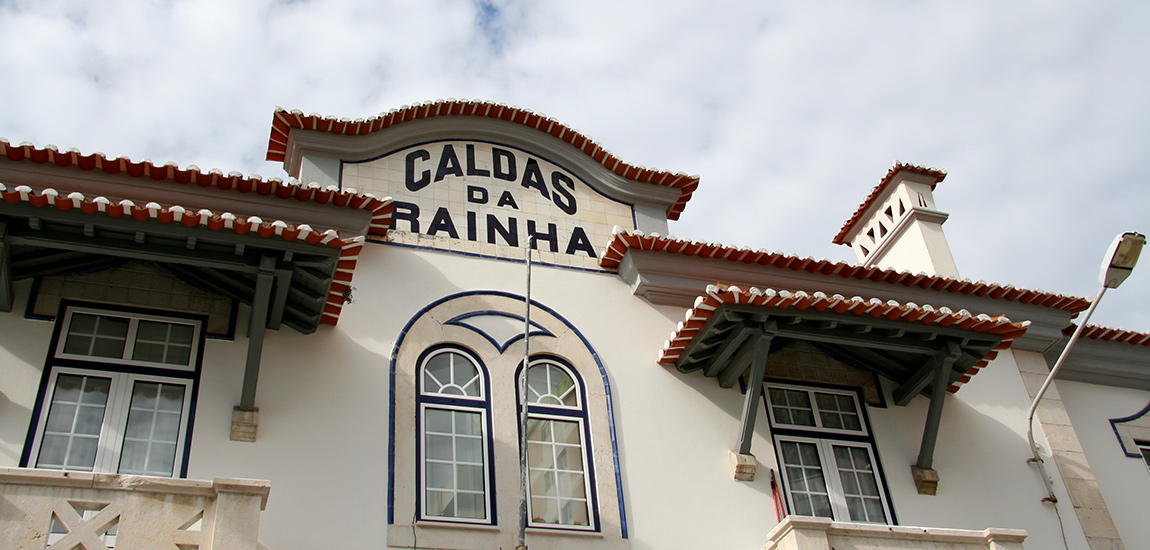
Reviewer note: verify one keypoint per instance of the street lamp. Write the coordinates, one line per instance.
(1116, 267)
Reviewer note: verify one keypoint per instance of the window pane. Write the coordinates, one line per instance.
(439, 476)
(82, 454)
(112, 327)
(454, 464)
(468, 423)
(544, 510)
(556, 465)
(450, 373)
(438, 421)
(468, 450)
(859, 484)
(75, 420)
(549, 384)
(471, 505)
(52, 451)
(440, 503)
(146, 351)
(805, 478)
(107, 347)
(151, 434)
(160, 342)
(470, 477)
(96, 335)
(439, 448)
(791, 407)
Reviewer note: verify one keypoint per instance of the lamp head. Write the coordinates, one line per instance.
(1120, 259)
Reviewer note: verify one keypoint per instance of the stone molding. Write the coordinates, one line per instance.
(811, 533)
(148, 512)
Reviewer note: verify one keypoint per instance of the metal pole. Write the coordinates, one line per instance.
(1042, 391)
(524, 481)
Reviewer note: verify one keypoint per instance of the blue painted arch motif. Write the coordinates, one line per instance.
(488, 326)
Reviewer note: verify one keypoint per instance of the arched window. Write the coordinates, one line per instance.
(454, 448)
(558, 457)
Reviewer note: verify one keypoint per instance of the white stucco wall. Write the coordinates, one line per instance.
(981, 455)
(323, 432)
(1124, 481)
(23, 349)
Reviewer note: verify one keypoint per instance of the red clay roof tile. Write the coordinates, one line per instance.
(622, 240)
(284, 121)
(938, 176)
(717, 295)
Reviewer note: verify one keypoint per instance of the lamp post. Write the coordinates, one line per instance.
(1116, 267)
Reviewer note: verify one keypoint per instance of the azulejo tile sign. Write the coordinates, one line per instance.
(490, 199)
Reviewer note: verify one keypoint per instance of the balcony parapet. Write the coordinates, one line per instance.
(809, 533)
(145, 512)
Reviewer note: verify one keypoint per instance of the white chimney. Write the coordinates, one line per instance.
(898, 226)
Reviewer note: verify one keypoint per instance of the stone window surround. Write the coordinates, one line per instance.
(453, 319)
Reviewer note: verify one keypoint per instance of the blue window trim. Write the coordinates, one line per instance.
(483, 403)
(1114, 422)
(391, 397)
(581, 413)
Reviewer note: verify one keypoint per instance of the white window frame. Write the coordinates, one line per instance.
(1143, 448)
(109, 448)
(427, 399)
(825, 439)
(129, 345)
(578, 415)
(423, 513)
(831, 476)
(811, 392)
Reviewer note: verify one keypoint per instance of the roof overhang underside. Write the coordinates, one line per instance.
(902, 352)
(46, 241)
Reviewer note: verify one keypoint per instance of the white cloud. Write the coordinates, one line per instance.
(790, 111)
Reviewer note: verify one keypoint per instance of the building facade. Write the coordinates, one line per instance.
(213, 360)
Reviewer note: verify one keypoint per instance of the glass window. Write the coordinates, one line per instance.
(818, 409)
(145, 340)
(97, 418)
(454, 474)
(823, 473)
(113, 422)
(557, 457)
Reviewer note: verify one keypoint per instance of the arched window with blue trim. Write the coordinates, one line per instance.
(558, 454)
(454, 449)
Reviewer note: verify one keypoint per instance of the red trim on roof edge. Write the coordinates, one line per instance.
(283, 121)
(381, 209)
(623, 240)
(339, 292)
(717, 295)
(1107, 334)
(938, 176)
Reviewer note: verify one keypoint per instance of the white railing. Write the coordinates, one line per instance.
(42, 509)
(807, 533)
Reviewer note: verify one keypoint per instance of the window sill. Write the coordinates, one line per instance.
(560, 532)
(466, 526)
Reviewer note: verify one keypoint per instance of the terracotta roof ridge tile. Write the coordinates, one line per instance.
(214, 221)
(283, 121)
(719, 294)
(896, 167)
(1110, 334)
(381, 209)
(623, 240)
(173, 214)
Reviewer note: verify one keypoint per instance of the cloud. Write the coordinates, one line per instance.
(789, 112)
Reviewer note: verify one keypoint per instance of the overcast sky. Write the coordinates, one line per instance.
(790, 111)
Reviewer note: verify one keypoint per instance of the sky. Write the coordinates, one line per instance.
(789, 111)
